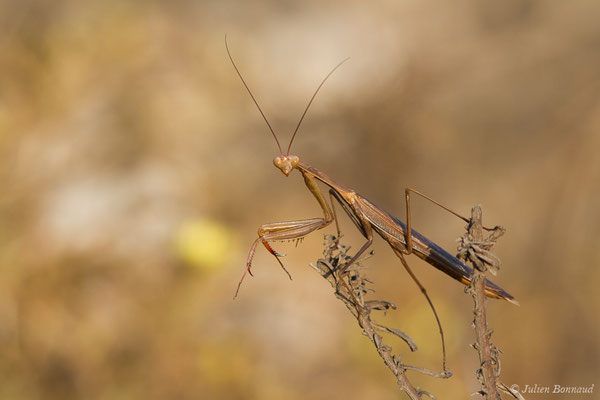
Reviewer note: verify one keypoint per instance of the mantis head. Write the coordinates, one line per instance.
(286, 163)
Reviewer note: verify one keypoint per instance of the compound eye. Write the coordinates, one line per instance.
(295, 161)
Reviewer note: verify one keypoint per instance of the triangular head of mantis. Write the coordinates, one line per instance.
(286, 163)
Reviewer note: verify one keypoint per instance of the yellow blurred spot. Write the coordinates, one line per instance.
(203, 243)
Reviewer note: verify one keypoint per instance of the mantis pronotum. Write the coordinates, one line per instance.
(365, 215)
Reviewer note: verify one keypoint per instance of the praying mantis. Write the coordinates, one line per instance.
(366, 216)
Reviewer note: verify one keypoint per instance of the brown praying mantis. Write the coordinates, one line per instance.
(366, 216)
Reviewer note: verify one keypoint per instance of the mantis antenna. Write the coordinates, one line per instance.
(251, 95)
(310, 102)
(261, 111)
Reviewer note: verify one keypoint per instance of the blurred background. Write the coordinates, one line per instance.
(135, 170)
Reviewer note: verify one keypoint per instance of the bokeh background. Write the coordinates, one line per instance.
(134, 171)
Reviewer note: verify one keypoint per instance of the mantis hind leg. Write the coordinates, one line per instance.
(365, 227)
(407, 193)
(424, 291)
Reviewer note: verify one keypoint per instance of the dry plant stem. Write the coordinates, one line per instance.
(350, 288)
(488, 372)
(387, 357)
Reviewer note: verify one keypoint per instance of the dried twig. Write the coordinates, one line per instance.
(474, 248)
(351, 288)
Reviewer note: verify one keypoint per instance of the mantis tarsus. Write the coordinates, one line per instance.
(365, 215)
